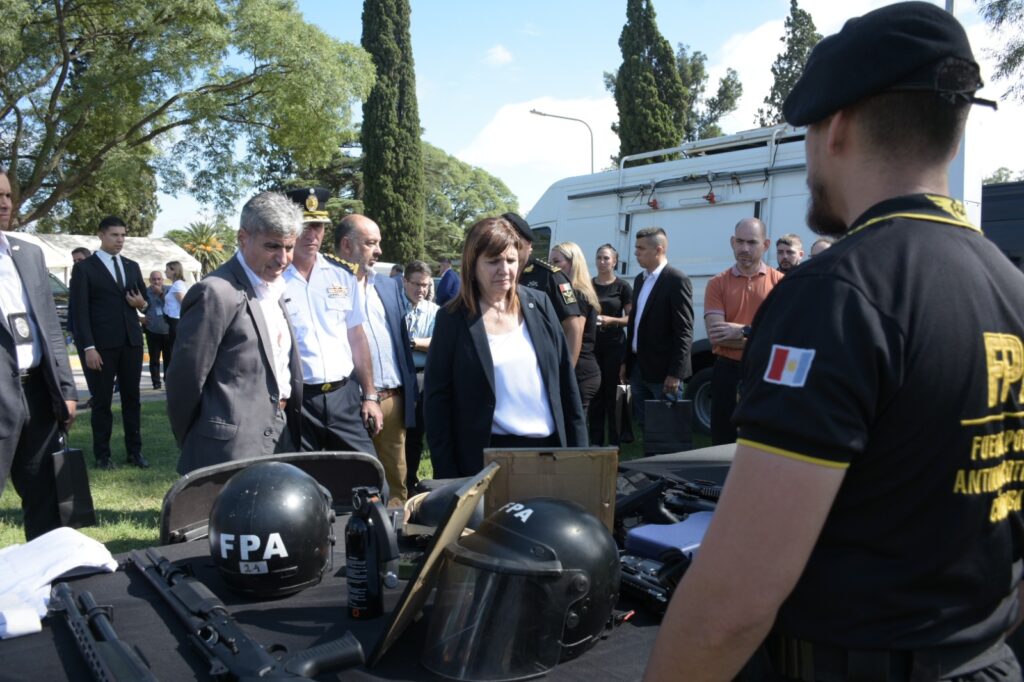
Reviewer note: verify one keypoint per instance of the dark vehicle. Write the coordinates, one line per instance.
(61, 294)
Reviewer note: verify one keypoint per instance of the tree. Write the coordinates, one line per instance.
(125, 186)
(648, 92)
(800, 38)
(458, 195)
(1003, 174)
(702, 115)
(85, 83)
(1007, 17)
(210, 244)
(392, 155)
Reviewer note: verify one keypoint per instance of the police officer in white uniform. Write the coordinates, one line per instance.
(324, 306)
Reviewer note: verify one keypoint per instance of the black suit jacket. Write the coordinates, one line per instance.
(666, 328)
(28, 260)
(458, 390)
(102, 316)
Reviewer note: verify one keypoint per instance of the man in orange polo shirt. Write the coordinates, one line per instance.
(730, 302)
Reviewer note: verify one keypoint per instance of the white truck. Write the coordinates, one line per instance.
(697, 199)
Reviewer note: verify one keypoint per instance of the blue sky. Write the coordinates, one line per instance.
(481, 66)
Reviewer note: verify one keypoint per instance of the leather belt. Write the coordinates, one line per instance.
(385, 393)
(30, 374)
(329, 387)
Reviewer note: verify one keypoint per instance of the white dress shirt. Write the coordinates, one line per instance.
(108, 261)
(521, 405)
(322, 311)
(269, 296)
(14, 299)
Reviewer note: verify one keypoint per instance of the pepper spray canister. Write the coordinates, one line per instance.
(370, 548)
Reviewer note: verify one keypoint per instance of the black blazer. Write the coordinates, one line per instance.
(666, 329)
(458, 391)
(102, 316)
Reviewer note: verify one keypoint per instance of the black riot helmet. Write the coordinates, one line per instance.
(271, 530)
(534, 585)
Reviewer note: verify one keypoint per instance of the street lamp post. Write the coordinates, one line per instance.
(578, 120)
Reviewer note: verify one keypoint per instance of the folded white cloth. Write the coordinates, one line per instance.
(26, 572)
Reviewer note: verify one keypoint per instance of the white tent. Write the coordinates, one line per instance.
(57, 261)
(151, 253)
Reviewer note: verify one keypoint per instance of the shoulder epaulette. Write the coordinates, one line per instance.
(342, 263)
(547, 265)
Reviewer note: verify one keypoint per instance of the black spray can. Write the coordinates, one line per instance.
(370, 547)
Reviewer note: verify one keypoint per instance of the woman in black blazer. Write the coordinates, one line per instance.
(498, 371)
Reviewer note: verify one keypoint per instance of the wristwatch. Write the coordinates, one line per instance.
(746, 331)
(372, 396)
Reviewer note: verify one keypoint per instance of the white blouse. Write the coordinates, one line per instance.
(521, 405)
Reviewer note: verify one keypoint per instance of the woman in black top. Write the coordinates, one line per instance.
(616, 298)
(568, 257)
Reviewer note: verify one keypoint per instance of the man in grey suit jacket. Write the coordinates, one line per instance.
(37, 388)
(234, 389)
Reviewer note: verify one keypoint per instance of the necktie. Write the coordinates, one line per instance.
(117, 273)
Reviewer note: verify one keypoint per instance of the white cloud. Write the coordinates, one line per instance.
(530, 152)
(498, 56)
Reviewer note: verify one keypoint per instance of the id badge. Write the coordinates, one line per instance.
(20, 328)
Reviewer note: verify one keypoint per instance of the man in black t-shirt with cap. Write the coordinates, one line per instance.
(543, 276)
(882, 542)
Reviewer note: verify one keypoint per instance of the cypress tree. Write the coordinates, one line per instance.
(648, 91)
(800, 38)
(392, 153)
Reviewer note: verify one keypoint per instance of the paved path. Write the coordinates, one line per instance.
(148, 393)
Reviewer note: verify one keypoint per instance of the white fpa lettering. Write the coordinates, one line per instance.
(517, 510)
(250, 544)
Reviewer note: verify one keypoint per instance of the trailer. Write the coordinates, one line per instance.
(697, 197)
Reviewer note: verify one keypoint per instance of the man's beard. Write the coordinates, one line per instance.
(785, 266)
(821, 217)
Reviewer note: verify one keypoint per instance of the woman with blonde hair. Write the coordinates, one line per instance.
(569, 258)
(175, 294)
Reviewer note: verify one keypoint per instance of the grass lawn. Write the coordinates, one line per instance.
(128, 500)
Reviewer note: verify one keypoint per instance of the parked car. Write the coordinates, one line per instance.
(61, 294)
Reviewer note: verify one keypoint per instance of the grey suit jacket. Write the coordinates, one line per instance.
(28, 259)
(222, 395)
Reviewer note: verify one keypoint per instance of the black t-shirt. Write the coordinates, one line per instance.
(545, 277)
(897, 355)
(614, 298)
(587, 366)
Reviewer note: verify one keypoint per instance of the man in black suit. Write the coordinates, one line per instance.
(660, 325)
(37, 388)
(108, 292)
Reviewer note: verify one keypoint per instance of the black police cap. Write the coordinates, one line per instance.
(905, 46)
(313, 201)
(521, 225)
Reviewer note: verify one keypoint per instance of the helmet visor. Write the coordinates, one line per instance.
(487, 625)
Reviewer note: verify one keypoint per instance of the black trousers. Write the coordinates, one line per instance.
(159, 345)
(332, 421)
(725, 381)
(125, 365)
(28, 457)
(85, 370)
(610, 354)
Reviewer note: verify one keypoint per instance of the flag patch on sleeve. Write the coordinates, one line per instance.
(789, 366)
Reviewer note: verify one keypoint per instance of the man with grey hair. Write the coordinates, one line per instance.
(235, 387)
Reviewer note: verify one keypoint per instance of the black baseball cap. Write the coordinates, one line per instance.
(520, 224)
(904, 46)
